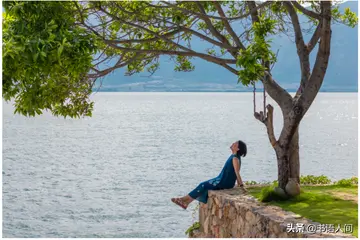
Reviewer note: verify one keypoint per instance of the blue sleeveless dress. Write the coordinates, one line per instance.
(225, 180)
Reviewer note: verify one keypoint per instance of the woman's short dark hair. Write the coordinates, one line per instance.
(242, 149)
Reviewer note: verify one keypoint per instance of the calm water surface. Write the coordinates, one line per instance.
(113, 175)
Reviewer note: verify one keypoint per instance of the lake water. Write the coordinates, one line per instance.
(113, 175)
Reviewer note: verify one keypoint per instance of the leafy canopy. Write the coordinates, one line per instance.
(53, 52)
(46, 58)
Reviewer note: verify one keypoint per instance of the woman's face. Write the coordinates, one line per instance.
(234, 147)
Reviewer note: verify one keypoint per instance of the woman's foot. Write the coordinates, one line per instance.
(180, 203)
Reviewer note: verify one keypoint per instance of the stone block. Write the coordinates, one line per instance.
(206, 225)
(217, 201)
(209, 203)
(223, 233)
(240, 221)
(213, 210)
(232, 213)
(220, 213)
(216, 221)
(249, 217)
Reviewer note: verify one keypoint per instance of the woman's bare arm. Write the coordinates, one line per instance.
(236, 164)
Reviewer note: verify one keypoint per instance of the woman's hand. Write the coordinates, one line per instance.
(242, 187)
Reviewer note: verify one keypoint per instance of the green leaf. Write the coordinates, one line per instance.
(60, 50)
(35, 56)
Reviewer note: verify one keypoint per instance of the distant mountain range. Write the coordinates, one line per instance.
(341, 76)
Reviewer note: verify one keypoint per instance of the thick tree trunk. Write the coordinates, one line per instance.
(288, 162)
(288, 155)
(294, 158)
(283, 167)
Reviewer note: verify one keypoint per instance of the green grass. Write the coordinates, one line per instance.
(331, 188)
(193, 227)
(351, 190)
(319, 204)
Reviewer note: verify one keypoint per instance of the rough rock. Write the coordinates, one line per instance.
(280, 192)
(292, 187)
(233, 214)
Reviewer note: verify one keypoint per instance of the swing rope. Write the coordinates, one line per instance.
(264, 97)
(264, 101)
(254, 101)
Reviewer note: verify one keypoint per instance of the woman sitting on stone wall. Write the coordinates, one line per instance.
(229, 174)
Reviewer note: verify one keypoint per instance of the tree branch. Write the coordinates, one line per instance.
(116, 66)
(178, 30)
(268, 122)
(232, 70)
(315, 38)
(322, 59)
(299, 40)
(253, 11)
(228, 27)
(202, 15)
(98, 63)
(220, 61)
(301, 106)
(203, 37)
(159, 6)
(210, 40)
(213, 30)
(145, 29)
(302, 50)
(225, 45)
(270, 126)
(169, 34)
(276, 92)
(305, 11)
(180, 53)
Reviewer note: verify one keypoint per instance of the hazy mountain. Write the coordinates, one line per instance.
(341, 75)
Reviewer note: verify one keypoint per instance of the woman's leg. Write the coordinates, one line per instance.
(183, 201)
(199, 193)
(187, 199)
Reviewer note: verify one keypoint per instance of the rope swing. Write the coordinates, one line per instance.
(266, 118)
(263, 116)
(262, 113)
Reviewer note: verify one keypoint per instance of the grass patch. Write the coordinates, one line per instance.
(192, 228)
(332, 188)
(347, 182)
(268, 194)
(351, 190)
(319, 204)
(311, 179)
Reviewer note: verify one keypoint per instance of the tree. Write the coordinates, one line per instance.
(53, 52)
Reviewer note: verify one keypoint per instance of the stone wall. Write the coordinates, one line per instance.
(230, 213)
